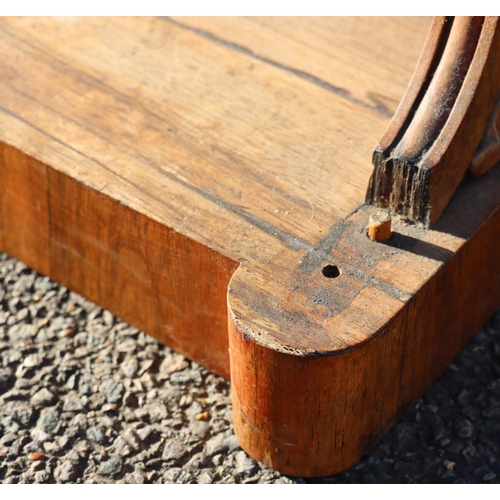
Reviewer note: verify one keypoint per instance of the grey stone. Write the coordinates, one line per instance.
(32, 446)
(66, 472)
(51, 447)
(95, 435)
(464, 427)
(111, 467)
(43, 398)
(126, 345)
(174, 451)
(72, 402)
(244, 465)
(84, 389)
(49, 419)
(177, 475)
(199, 429)
(73, 456)
(185, 376)
(20, 411)
(122, 447)
(42, 476)
(5, 377)
(205, 478)
(83, 448)
(10, 425)
(112, 390)
(8, 438)
(455, 447)
(98, 479)
(132, 438)
(80, 421)
(156, 411)
(135, 478)
(145, 433)
(231, 442)
(63, 441)
(71, 383)
(130, 367)
(197, 461)
(193, 410)
(173, 363)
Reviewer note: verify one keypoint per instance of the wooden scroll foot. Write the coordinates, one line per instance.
(429, 144)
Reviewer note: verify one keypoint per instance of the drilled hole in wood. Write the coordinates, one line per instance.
(330, 271)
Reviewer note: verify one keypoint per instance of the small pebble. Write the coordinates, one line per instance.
(66, 472)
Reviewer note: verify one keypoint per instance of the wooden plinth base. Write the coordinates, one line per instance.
(211, 194)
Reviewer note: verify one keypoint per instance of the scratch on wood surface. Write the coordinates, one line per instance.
(313, 211)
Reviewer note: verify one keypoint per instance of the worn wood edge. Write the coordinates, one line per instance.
(290, 306)
(315, 416)
(418, 164)
(311, 414)
(151, 276)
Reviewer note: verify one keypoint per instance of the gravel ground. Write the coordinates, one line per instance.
(86, 398)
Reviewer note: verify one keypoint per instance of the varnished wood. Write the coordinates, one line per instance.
(418, 165)
(194, 181)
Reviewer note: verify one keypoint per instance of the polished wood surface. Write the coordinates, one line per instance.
(207, 185)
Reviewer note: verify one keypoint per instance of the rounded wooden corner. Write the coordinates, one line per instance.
(303, 366)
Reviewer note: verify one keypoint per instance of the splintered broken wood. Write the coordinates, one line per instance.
(206, 185)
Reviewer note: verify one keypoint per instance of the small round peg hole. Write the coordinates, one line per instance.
(330, 271)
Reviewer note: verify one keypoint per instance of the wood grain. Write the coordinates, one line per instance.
(322, 50)
(319, 375)
(195, 182)
(192, 135)
(487, 154)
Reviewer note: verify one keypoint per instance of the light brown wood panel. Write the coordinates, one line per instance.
(178, 114)
(214, 145)
(368, 60)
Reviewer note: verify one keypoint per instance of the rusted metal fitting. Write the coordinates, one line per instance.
(379, 226)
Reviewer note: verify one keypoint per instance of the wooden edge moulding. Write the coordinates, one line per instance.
(329, 343)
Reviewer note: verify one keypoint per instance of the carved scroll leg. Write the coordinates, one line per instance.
(441, 120)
